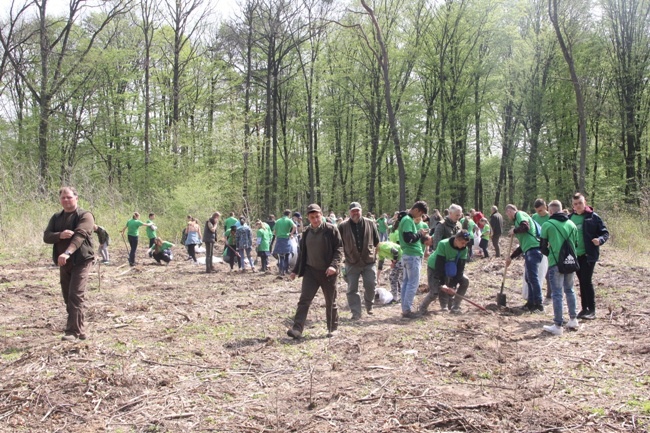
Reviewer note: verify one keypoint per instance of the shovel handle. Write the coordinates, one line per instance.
(505, 270)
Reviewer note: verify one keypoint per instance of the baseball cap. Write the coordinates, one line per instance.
(313, 208)
(355, 205)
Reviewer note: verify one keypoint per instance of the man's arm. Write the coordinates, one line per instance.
(49, 235)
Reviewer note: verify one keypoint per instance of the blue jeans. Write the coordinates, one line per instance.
(562, 283)
(533, 257)
(412, 266)
(383, 237)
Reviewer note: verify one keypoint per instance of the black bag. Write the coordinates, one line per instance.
(567, 259)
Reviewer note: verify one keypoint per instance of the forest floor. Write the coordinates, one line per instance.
(173, 349)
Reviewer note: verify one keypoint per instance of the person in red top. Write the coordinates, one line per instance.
(476, 216)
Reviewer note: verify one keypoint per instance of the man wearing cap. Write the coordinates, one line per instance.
(318, 263)
(360, 238)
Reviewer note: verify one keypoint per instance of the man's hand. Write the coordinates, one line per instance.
(512, 231)
(330, 271)
(392, 263)
(447, 290)
(596, 241)
(292, 276)
(508, 260)
(66, 234)
(63, 258)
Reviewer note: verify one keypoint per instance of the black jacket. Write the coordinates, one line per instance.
(593, 228)
(333, 252)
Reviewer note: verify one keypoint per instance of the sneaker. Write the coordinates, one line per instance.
(456, 311)
(106, 262)
(573, 324)
(548, 301)
(589, 315)
(333, 333)
(369, 311)
(294, 333)
(82, 336)
(355, 316)
(537, 308)
(553, 329)
(410, 315)
(69, 337)
(582, 314)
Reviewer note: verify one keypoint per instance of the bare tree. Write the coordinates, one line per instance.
(60, 57)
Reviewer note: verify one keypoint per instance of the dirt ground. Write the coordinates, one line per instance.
(172, 349)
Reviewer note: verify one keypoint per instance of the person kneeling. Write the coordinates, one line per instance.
(161, 250)
(445, 273)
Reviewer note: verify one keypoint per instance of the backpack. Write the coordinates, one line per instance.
(567, 259)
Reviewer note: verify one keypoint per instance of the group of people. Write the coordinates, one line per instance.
(570, 241)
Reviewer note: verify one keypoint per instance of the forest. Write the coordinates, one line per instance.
(174, 107)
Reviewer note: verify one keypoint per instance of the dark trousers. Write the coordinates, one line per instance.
(133, 243)
(191, 250)
(495, 244)
(74, 279)
(232, 257)
(264, 257)
(484, 246)
(152, 241)
(585, 274)
(163, 255)
(311, 281)
(209, 253)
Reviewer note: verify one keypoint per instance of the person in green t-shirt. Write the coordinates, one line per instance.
(229, 222)
(467, 223)
(151, 229)
(283, 230)
(442, 285)
(391, 250)
(161, 250)
(132, 228)
(486, 233)
(540, 216)
(555, 231)
(411, 240)
(525, 230)
(382, 228)
(264, 236)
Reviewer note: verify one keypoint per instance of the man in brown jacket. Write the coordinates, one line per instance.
(360, 238)
(318, 262)
(70, 231)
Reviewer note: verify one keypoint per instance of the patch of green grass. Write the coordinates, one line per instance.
(11, 354)
(640, 403)
(598, 411)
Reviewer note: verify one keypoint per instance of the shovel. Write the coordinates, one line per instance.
(501, 297)
(452, 292)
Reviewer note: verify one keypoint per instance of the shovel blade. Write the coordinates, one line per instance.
(501, 299)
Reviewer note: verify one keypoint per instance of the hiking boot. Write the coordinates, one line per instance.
(332, 333)
(456, 311)
(69, 337)
(410, 315)
(553, 329)
(573, 324)
(355, 316)
(369, 311)
(294, 333)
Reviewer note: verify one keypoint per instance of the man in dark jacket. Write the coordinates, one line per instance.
(210, 237)
(592, 233)
(360, 238)
(450, 226)
(70, 231)
(496, 224)
(318, 263)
